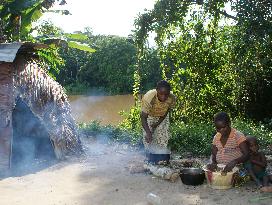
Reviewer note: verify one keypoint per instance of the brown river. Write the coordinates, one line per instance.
(102, 108)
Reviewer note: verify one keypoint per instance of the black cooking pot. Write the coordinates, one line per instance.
(192, 176)
(155, 158)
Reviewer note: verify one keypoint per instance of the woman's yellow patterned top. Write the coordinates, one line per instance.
(153, 107)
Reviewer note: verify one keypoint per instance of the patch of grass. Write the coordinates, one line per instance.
(115, 133)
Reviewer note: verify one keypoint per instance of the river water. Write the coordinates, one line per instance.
(102, 108)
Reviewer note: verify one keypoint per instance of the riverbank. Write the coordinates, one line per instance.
(101, 177)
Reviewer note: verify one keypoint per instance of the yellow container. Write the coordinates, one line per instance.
(217, 180)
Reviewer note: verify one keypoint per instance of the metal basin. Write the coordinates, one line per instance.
(156, 158)
(192, 176)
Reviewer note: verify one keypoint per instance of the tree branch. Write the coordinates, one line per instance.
(224, 13)
(228, 15)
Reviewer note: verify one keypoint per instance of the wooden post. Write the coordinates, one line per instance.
(6, 106)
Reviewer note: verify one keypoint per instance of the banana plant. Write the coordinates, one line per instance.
(51, 56)
(17, 16)
(16, 24)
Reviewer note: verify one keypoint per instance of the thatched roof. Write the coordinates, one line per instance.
(8, 51)
(26, 79)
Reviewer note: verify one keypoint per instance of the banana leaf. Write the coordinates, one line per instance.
(73, 44)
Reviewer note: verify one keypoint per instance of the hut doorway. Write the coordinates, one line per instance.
(32, 149)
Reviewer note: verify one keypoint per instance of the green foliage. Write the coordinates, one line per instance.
(203, 82)
(136, 85)
(51, 60)
(59, 42)
(77, 89)
(212, 65)
(263, 134)
(252, 54)
(132, 119)
(74, 61)
(47, 29)
(195, 138)
(109, 132)
(90, 129)
(73, 44)
(112, 66)
(17, 17)
(53, 36)
(149, 73)
(76, 36)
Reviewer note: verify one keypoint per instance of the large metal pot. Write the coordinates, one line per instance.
(156, 158)
(192, 176)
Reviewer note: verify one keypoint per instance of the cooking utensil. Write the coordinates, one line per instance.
(219, 180)
(156, 158)
(192, 176)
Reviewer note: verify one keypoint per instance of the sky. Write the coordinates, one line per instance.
(108, 17)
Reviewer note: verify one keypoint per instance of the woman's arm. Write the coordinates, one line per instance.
(214, 152)
(146, 127)
(160, 120)
(245, 155)
(213, 165)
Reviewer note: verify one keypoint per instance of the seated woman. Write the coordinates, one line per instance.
(229, 146)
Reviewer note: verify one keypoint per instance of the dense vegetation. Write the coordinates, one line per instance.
(16, 24)
(109, 70)
(216, 59)
(194, 137)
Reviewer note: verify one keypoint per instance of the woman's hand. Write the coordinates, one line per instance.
(154, 126)
(148, 137)
(212, 167)
(229, 166)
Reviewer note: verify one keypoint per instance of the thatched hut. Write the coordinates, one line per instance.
(22, 79)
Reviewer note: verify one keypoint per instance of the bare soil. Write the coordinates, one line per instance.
(102, 178)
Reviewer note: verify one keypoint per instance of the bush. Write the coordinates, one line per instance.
(191, 137)
(76, 89)
(194, 137)
(110, 132)
(263, 134)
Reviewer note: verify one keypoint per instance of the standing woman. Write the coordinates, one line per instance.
(156, 105)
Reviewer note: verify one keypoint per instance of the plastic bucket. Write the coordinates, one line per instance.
(217, 180)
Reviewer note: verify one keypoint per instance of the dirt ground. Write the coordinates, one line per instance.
(102, 178)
